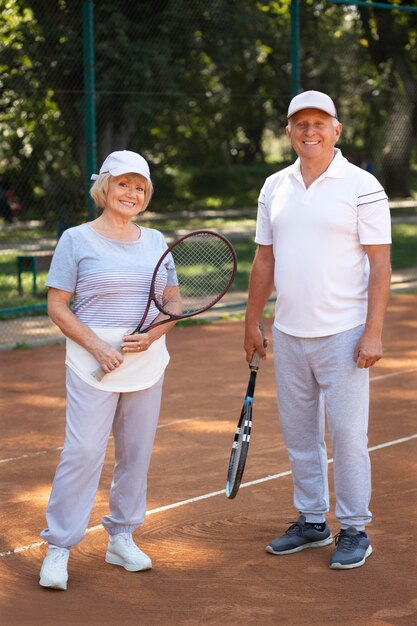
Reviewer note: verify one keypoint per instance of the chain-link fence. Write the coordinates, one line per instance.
(199, 88)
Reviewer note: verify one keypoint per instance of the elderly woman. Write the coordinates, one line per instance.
(106, 267)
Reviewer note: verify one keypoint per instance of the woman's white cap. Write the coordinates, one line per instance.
(312, 100)
(124, 162)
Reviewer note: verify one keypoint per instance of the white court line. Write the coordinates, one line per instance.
(27, 456)
(206, 496)
(189, 419)
(186, 419)
(414, 369)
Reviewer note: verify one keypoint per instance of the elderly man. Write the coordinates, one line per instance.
(323, 235)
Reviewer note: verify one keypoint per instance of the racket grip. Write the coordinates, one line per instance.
(98, 374)
(254, 364)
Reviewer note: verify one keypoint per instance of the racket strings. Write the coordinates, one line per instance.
(203, 266)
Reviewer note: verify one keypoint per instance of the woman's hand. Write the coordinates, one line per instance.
(108, 357)
(137, 343)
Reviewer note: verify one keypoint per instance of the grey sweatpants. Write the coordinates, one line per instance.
(91, 415)
(317, 377)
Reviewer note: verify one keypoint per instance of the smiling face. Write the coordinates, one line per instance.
(126, 195)
(313, 134)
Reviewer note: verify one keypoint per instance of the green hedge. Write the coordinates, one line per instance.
(196, 188)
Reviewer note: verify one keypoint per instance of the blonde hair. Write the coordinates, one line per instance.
(100, 188)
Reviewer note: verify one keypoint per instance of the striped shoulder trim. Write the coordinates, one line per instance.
(374, 196)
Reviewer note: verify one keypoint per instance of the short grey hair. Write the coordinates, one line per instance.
(100, 188)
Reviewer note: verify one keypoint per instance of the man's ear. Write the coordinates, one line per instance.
(338, 129)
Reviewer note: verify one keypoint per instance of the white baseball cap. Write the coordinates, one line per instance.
(124, 162)
(312, 100)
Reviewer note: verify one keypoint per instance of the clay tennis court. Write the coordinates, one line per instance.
(209, 563)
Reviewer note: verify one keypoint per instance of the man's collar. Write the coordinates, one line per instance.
(337, 168)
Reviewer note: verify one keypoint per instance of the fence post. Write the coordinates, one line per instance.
(89, 102)
(295, 47)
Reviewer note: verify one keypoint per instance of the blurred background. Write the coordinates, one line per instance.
(201, 89)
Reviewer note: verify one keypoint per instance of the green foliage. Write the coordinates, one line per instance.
(171, 82)
(9, 295)
(404, 245)
(245, 251)
(21, 345)
(216, 187)
(34, 143)
(195, 84)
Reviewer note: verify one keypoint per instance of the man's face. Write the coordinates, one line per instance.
(313, 134)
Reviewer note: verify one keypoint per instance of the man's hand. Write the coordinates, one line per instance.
(368, 350)
(254, 342)
(261, 284)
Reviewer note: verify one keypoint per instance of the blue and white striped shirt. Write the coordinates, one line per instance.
(110, 279)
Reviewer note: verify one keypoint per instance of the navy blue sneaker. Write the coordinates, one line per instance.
(299, 536)
(352, 549)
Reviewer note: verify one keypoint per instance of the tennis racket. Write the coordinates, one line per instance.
(190, 277)
(241, 439)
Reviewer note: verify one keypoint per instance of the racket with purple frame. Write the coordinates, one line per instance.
(241, 439)
(190, 277)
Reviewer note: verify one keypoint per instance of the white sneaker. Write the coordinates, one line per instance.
(123, 551)
(54, 572)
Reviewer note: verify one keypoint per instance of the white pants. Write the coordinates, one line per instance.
(315, 377)
(91, 415)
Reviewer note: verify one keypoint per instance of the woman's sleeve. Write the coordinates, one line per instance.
(64, 268)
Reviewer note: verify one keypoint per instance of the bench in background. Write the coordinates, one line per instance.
(34, 262)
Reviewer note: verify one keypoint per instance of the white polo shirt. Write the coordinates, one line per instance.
(318, 236)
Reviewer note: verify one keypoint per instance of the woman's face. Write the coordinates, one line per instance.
(126, 195)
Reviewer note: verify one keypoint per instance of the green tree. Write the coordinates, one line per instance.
(366, 59)
(247, 48)
(391, 37)
(194, 82)
(33, 139)
(183, 82)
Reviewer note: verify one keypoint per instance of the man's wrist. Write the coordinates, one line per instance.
(373, 329)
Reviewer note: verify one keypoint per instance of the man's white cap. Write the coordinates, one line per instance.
(312, 100)
(124, 162)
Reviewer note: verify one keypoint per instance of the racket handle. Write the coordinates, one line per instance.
(254, 364)
(98, 374)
